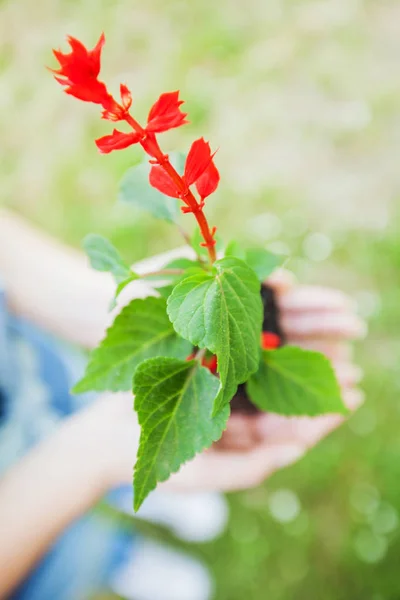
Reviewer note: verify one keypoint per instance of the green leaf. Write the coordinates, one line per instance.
(173, 400)
(181, 263)
(136, 189)
(235, 249)
(121, 286)
(142, 330)
(222, 311)
(292, 381)
(262, 261)
(104, 256)
(166, 284)
(124, 283)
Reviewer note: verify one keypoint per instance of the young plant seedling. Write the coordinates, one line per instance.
(189, 349)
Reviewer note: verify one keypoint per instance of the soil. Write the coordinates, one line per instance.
(241, 403)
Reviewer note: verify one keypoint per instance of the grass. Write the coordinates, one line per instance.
(302, 99)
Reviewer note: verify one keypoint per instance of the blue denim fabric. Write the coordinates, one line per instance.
(36, 373)
(79, 563)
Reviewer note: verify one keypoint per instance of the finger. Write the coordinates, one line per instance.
(305, 431)
(281, 281)
(353, 398)
(348, 375)
(332, 349)
(321, 325)
(312, 298)
(229, 471)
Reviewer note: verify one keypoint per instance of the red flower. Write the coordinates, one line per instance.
(211, 363)
(269, 340)
(126, 96)
(117, 141)
(160, 180)
(165, 113)
(197, 161)
(117, 112)
(199, 169)
(80, 64)
(208, 182)
(79, 72)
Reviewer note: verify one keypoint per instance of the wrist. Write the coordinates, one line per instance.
(81, 440)
(106, 437)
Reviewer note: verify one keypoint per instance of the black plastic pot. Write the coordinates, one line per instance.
(241, 403)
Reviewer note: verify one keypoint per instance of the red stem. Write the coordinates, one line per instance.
(150, 146)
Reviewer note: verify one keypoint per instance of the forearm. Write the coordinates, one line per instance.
(52, 285)
(49, 488)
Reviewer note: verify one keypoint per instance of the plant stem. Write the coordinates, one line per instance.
(150, 146)
(187, 239)
(163, 272)
(200, 354)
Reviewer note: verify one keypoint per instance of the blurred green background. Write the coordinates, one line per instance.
(302, 97)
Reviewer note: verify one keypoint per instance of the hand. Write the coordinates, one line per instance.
(253, 447)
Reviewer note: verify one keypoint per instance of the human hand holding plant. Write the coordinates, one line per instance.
(252, 447)
(188, 349)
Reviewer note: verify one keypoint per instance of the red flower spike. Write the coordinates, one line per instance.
(269, 340)
(160, 180)
(165, 114)
(208, 182)
(79, 71)
(197, 161)
(117, 141)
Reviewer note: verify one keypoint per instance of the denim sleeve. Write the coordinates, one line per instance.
(4, 391)
(36, 374)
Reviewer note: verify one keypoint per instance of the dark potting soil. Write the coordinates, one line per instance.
(241, 403)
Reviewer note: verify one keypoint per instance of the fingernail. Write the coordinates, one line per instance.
(353, 399)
